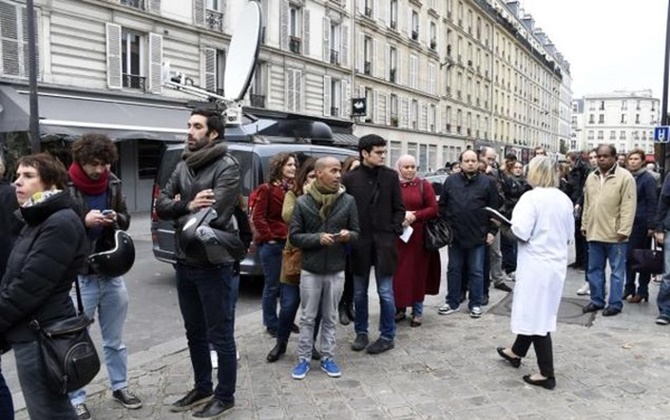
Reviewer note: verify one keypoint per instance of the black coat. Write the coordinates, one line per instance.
(43, 265)
(9, 223)
(381, 212)
(462, 204)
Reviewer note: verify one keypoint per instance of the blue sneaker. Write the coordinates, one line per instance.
(329, 366)
(300, 370)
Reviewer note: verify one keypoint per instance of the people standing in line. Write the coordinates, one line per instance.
(272, 231)
(455, 168)
(324, 220)
(662, 236)
(514, 186)
(381, 212)
(644, 225)
(585, 289)
(418, 271)
(543, 225)
(621, 160)
(609, 211)
(101, 205)
(41, 269)
(290, 286)
(346, 306)
(576, 178)
(207, 176)
(462, 203)
(9, 230)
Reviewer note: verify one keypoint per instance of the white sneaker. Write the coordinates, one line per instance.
(585, 290)
(475, 312)
(446, 309)
(215, 359)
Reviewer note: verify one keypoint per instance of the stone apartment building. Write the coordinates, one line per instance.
(438, 76)
(623, 118)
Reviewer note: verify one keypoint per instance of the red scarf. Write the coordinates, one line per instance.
(85, 184)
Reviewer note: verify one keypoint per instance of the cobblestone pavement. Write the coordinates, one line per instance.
(619, 368)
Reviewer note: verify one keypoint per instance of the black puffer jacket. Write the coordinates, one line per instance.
(221, 174)
(9, 223)
(43, 265)
(306, 228)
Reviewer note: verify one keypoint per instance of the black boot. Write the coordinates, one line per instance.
(276, 352)
(344, 318)
(349, 308)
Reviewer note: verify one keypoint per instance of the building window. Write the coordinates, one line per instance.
(413, 71)
(623, 118)
(393, 15)
(394, 110)
(592, 119)
(395, 150)
(295, 29)
(433, 36)
(624, 105)
(368, 8)
(257, 91)
(335, 42)
(637, 118)
(412, 149)
(148, 158)
(415, 26)
(415, 114)
(214, 14)
(590, 135)
(132, 52)
(612, 135)
(432, 117)
(393, 65)
(367, 55)
(601, 119)
(622, 135)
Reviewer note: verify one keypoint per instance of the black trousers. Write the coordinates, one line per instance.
(543, 351)
(581, 249)
(347, 298)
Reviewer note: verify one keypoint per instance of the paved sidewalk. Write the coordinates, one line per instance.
(447, 369)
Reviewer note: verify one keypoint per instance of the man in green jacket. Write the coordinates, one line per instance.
(325, 219)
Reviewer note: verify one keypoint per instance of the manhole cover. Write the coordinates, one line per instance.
(569, 312)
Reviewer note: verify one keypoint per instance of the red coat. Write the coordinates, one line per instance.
(266, 213)
(418, 272)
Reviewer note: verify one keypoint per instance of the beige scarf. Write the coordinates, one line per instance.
(324, 197)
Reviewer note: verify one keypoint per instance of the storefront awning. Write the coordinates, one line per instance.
(345, 140)
(75, 114)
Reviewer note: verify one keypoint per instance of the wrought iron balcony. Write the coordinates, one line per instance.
(334, 57)
(393, 24)
(214, 20)
(433, 44)
(448, 128)
(392, 73)
(134, 81)
(257, 101)
(368, 11)
(367, 68)
(394, 119)
(294, 44)
(415, 35)
(137, 4)
(334, 111)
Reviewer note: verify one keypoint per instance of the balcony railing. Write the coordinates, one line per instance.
(257, 101)
(134, 81)
(214, 20)
(415, 35)
(334, 111)
(449, 50)
(138, 4)
(433, 44)
(294, 44)
(448, 128)
(393, 24)
(368, 11)
(394, 119)
(392, 73)
(367, 68)
(334, 57)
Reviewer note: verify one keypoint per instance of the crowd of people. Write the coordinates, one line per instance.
(321, 227)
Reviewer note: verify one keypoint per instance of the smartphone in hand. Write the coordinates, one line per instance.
(107, 212)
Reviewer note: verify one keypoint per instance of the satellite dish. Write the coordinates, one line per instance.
(243, 53)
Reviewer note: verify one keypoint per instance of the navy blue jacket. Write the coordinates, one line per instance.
(647, 202)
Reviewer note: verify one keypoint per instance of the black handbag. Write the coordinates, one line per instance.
(436, 232)
(648, 261)
(68, 354)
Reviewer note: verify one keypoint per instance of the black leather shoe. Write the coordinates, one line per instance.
(549, 383)
(295, 329)
(213, 408)
(380, 346)
(514, 361)
(272, 332)
(502, 286)
(350, 312)
(276, 352)
(360, 343)
(591, 307)
(316, 355)
(344, 318)
(609, 311)
(485, 300)
(193, 398)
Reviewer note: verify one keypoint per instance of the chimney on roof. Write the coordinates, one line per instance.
(528, 22)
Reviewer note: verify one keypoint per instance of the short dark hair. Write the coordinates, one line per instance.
(277, 162)
(91, 146)
(368, 142)
(214, 122)
(609, 146)
(51, 170)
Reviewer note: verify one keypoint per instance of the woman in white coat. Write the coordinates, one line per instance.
(543, 223)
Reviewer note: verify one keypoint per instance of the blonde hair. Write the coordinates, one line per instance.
(542, 173)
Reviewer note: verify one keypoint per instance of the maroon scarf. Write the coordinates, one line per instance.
(85, 184)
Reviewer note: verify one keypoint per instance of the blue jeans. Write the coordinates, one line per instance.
(599, 254)
(473, 258)
(417, 309)
(206, 297)
(41, 402)
(386, 302)
(288, 308)
(271, 257)
(663, 300)
(109, 297)
(6, 406)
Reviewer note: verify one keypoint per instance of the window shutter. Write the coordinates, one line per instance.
(361, 52)
(361, 7)
(209, 76)
(155, 62)
(424, 117)
(399, 65)
(387, 63)
(345, 45)
(404, 120)
(113, 56)
(305, 32)
(388, 109)
(299, 83)
(290, 91)
(283, 11)
(376, 117)
(154, 6)
(11, 46)
(431, 79)
(375, 64)
(326, 40)
(327, 93)
(345, 106)
(199, 12)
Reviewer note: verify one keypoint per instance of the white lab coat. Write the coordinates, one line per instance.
(543, 221)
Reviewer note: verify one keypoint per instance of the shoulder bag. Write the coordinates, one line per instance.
(647, 260)
(436, 232)
(68, 354)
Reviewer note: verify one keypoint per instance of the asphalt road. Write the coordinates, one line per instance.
(153, 312)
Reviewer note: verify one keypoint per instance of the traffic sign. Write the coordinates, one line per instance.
(662, 134)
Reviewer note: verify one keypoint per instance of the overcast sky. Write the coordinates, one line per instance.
(610, 44)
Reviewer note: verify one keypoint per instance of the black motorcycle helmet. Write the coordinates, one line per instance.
(117, 261)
